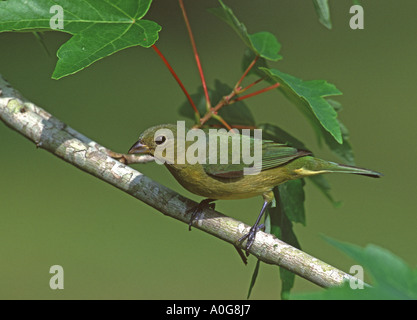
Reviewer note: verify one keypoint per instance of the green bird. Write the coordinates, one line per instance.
(225, 180)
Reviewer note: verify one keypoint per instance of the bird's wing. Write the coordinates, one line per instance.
(273, 155)
(276, 154)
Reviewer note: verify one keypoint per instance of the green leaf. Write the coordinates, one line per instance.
(343, 150)
(280, 225)
(273, 220)
(323, 11)
(287, 282)
(321, 182)
(309, 96)
(289, 208)
(99, 28)
(392, 277)
(237, 113)
(254, 276)
(389, 272)
(263, 44)
(291, 195)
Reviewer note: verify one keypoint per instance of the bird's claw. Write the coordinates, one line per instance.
(250, 237)
(196, 210)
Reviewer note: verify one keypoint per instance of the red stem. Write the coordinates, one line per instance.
(276, 85)
(222, 121)
(251, 85)
(246, 71)
(177, 79)
(197, 58)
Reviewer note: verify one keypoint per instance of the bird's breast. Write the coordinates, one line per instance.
(196, 180)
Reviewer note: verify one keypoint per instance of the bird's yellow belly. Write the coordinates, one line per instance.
(198, 182)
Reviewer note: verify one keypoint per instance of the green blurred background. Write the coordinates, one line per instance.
(112, 246)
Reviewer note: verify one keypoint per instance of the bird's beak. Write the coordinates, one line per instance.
(138, 147)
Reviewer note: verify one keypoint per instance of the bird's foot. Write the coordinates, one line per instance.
(129, 158)
(250, 237)
(198, 209)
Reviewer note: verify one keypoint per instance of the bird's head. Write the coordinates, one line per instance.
(162, 135)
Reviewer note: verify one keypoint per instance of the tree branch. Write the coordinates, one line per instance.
(50, 134)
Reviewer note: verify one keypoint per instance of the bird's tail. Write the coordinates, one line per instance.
(317, 166)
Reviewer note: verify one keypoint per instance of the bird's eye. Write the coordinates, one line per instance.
(160, 140)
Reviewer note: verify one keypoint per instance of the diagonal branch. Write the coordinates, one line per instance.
(49, 133)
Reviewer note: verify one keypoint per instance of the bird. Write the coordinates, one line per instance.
(228, 180)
